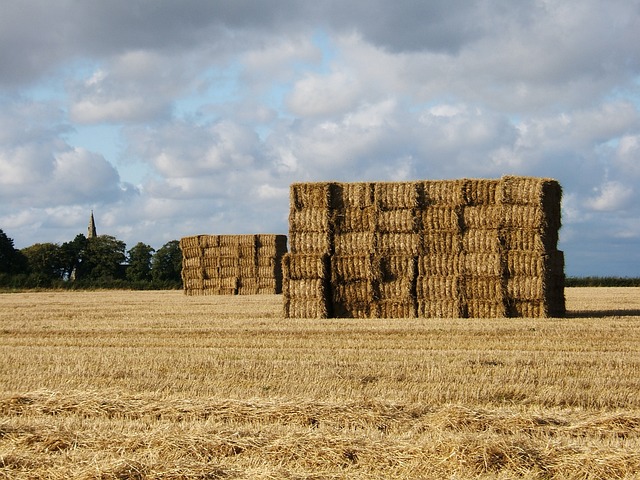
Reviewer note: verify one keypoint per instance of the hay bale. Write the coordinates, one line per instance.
(352, 195)
(483, 287)
(397, 195)
(527, 263)
(310, 220)
(480, 191)
(398, 221)
(191, 252)
(355, 220)
(295, 307)
(310, 242)
(189, 242)
(311, 195)
(401, 288)
(354, 243)
(484, 217)
(442, 218)
(439, 265)
(486, 309)
(391, 243)
(347, 268)
(394, 267)
(476, 240)
(449, 193)
(299, 266)
(441, 243)
(483, 264)
(542, 192)
(440, 308)
(534, 241)
(440, 288)
(396, 308)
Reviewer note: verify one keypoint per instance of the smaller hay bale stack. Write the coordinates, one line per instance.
(232, 264)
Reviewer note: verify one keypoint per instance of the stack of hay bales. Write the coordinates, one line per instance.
(439, 286)
(232, 264)
(305, 268)
(534, 266)
(452, 248)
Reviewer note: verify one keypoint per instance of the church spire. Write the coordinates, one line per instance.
(91, 231)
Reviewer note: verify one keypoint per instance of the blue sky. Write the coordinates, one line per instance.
(178, 118)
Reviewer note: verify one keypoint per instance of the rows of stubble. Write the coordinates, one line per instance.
(449, 248)
(232, 264)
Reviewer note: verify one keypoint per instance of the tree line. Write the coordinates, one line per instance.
(96, 262)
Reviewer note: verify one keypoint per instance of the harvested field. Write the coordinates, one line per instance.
(159, 385)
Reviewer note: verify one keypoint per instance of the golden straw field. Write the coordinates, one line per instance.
(160, 385)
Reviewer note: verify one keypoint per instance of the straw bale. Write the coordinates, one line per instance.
(398, 221)
(189, 242)
(477, 240)
(524, 287)
(211, 272)
(267, 271)
(486, 309)
(192, 272)
(440, 308)
(304, 288)
(269, 260)
(364, 309)
(211, 252)
(443, 192)
(305, 308)
(352, 292)
(247, 251)
(393, 267)
(449, 287)
(401, 288)
(310, 242)
(529, 240)
(533, 263)
(481, 287)
(534, 309)
(482, 217)
(247, 271)
(191, 252)
(299, 266)
(209, 241)
(388, 243)
(396, 308)
(484, 263)
(441, 242)
(397, 195)
(228, 250)
(247, 262)
(440, 265)
(355, 220)
(193, 283)
(310, 220)
(526, 216)
(196, 262)
(541, 192)
(229, 271)
(354, 243)
(353, 195)
(437, 217)
(346, 268)
(224, 261)
(480, 191)
(271, 240)
(311, 195)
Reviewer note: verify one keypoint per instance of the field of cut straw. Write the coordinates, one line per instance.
(160, 385)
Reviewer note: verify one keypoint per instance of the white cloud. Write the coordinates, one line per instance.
(611, 196)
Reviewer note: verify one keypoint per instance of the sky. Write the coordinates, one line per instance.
(170, 119)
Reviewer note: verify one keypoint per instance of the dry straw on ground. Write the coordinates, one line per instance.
(232, 264)
(487, 237)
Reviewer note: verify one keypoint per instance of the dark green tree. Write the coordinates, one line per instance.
(166, 265)
(12, 261)
(102, 259)
(72, 253)
(139, 258)
(45, 262)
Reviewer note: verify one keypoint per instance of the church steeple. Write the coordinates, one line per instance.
(91, 231)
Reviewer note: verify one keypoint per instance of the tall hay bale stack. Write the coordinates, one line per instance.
(449, 248)
(535, 267)
(484, 283)
(439, 280)
(305, 285)
(232, 264)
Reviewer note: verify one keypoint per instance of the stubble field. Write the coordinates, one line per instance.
(158, 385)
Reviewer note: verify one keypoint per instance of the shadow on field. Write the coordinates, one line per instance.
(603, 313)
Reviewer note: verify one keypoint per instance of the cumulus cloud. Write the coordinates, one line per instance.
(611, 196)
